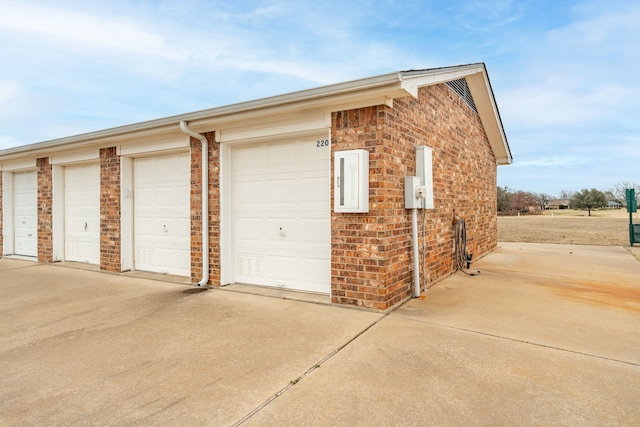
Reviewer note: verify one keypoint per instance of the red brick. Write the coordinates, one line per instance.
(377, 246)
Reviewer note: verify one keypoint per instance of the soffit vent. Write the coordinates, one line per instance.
(461, 87)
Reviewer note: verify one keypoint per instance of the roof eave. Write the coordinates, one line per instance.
(385, 86)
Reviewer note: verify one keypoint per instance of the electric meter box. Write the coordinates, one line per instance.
(351, 181)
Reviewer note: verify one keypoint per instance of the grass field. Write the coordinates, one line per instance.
(604, 228)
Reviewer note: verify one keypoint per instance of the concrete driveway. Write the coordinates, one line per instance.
(545, 335)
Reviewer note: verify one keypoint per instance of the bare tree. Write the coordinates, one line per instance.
(619, 190)
(566, 194)
(523, 201)
(542, 199)
(504, 199)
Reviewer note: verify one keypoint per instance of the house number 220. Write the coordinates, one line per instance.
(322, 143)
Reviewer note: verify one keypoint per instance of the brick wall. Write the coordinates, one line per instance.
(372, 253)
(110, 210)
(45, 210)
(214, 210)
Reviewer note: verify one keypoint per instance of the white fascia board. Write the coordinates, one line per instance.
(488, 111)
(411, 81)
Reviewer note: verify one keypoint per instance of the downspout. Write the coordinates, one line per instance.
(205, 200)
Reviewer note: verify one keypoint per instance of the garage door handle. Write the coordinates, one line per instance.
(165, 228)
(85, 226)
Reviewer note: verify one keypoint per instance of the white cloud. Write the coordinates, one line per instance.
(580, 74)
(554, 102)
(73, 29)
(559, 161)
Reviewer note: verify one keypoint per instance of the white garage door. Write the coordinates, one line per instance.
(162, 214)
(25, 213)
(82, 213)
(281, 212)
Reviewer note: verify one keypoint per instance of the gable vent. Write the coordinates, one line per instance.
(461, 87)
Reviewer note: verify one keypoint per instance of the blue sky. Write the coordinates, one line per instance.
(564, 73)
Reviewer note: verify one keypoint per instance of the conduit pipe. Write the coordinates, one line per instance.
(205, 200)
(416, 253)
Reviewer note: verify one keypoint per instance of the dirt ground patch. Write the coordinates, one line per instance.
(603, 228)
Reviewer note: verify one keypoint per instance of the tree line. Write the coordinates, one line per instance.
(511, 201)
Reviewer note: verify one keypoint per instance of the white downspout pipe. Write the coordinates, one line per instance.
(205, 201)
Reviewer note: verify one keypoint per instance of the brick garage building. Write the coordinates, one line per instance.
(131, 198)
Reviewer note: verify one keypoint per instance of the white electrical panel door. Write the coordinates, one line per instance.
(280, 198)
(162, 223)
(82, 213)
(25, 213)
(424, 170)
(351, 186)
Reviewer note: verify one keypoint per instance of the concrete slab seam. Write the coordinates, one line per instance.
(310, 370)
(522, 341)
(22, 268)
(526, 273)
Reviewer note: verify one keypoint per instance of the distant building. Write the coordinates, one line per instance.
(559, 204)
(614, 204)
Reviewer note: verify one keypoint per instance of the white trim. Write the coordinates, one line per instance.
(21, 165)
(480, 89)
(292, 127)
(7, 213)
(153, 147)
(75, 157)
(57, 208)
(126, 213)
(227, 266)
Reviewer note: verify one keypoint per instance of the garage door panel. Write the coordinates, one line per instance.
(281, 231)
(82, 213)
(315, 273)
(145, 196)
(314, 190)
(284, 192)
(281, 192)
(248, 159)
(314, 231)
(249, 230)
(162, 223)
(281, 155)
(165, 256)
(247, 193)
(280, 269)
